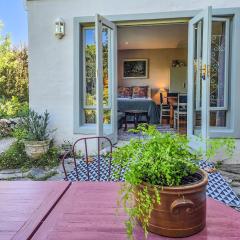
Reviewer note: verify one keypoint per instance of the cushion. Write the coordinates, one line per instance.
(125, 92)
(140, 92)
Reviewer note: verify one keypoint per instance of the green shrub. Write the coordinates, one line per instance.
(34, 127)
(13, 69)
(13, 108)
(16, 157)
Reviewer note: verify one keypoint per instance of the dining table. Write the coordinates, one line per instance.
(87, 211)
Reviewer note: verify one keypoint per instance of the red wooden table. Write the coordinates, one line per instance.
(88, 211)
(24, 205)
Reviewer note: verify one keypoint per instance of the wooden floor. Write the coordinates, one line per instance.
(86, 211)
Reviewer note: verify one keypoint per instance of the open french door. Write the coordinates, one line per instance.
(199, 60)
(106, 78)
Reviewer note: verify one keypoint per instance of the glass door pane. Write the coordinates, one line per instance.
(106, 78)
(219, 72)
(197, 78)
(199, 49)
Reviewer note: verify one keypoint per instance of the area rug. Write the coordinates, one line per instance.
(126, 135)
(217, 187)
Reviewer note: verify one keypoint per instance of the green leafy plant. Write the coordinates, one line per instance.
(13, 69)
(34, 127)
(16, 157)
(158, 160)
(12, 108)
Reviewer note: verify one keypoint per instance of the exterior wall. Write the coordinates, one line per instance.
(159, 63)
(51, 67)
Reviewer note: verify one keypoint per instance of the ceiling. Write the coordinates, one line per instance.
(153, 37)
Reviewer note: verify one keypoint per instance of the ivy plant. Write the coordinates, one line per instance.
(159, 160)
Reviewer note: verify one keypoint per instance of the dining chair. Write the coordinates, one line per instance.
(87, 160)
(181, 110)
(164, 109)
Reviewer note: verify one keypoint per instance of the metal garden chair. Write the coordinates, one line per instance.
(86, 157)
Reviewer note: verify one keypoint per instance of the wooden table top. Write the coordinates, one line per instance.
(24, 205)
(88, 211)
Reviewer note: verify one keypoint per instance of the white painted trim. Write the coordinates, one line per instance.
(206, 17)
(99, 75)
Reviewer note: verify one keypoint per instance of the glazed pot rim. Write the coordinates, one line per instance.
(190, 186)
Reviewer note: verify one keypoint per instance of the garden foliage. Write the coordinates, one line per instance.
(157, 160)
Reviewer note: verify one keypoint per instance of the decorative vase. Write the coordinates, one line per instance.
(182, 210)
(35, 149)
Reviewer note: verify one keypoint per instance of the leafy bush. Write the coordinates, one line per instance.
(13, 108)
(33, 127)
(16, 157)
(13, 70)
(159, 160)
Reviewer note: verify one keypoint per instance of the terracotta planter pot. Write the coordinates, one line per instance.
(182, 211)
(35, 149)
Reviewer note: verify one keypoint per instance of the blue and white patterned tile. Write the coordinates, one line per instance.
(217, 187)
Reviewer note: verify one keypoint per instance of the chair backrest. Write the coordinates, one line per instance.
(161, 98)
(182, 102)
(172, 96)
(182, 98)
(95, 165)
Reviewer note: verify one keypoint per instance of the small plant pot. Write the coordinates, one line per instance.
(182, 210)
(67, 147)
(35, 149)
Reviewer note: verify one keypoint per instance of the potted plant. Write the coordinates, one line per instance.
(164, 188)
(34, 131)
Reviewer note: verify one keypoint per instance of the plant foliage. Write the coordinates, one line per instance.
(13, 70)
(156, 159)
(11, 108)
(34, 127)
(16, 157)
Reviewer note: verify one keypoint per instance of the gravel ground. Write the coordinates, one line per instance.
(5, 143)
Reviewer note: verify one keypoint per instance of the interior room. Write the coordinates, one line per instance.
(152, 76)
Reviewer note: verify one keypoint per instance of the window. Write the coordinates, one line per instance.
(218, 73)
(89, 76)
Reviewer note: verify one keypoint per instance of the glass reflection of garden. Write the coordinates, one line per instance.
(90, 77)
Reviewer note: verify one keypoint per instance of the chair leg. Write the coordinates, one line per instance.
(125, 120)
(178, 122)
(161, 116)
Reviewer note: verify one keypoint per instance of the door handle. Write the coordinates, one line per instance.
(204, 71)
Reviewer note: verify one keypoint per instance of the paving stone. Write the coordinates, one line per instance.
(232, 176)
(231, 168)
(9, 176)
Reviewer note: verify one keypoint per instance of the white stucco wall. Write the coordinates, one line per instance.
(51, 60)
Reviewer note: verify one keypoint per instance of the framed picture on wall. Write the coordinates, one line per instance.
(135, 68)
